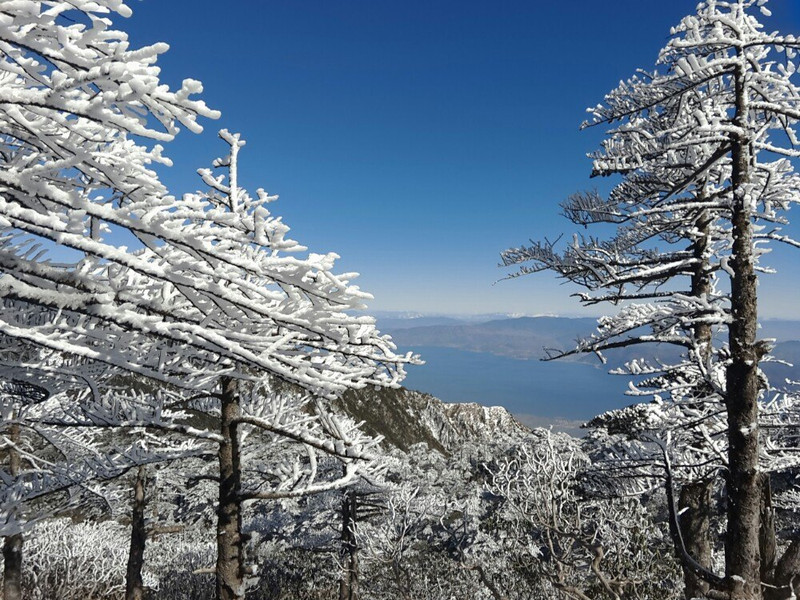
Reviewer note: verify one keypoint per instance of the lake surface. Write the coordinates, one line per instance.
(557, 390)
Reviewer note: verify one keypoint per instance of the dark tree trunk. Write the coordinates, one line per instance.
(402, 580)
(787, 574)
(701, 280)
(134, 586)
(695, 519)
(766, 536)
(694, 504)
(742, 556)
(230, 559)
(12, 544)
(12, 567)
(490, 585)
(348, 584)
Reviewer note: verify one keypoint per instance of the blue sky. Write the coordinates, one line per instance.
(418, 139)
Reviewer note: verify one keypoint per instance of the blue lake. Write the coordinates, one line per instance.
(566, 390)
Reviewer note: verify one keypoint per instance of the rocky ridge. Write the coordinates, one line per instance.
(406, 417)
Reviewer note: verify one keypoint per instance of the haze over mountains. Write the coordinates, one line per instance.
(494, 360)
(521, 338)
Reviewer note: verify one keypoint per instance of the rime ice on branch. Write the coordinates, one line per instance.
(79, 105)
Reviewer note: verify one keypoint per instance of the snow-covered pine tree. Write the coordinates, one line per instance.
(702, 151)
(208, 289)
(300, 295)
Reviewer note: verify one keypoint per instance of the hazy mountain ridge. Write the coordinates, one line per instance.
(527, 338)
(782, 330)
(521, 338)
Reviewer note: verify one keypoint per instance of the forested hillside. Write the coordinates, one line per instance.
(448, 514)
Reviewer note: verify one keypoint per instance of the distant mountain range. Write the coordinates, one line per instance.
(522, 338)
(529, 337)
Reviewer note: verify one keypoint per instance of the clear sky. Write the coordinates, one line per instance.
(418, 139)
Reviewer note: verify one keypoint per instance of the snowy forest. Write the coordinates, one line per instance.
(196, 406)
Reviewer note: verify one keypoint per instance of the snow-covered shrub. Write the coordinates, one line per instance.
(87, 560)
(178, 565)
(75, 561)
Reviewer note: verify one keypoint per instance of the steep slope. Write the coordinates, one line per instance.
(404, 418)
(454, 424)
